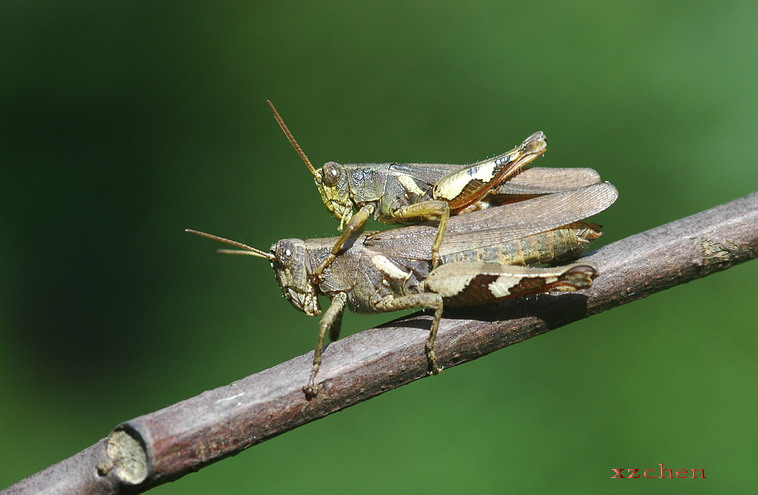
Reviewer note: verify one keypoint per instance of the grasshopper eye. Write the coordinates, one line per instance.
(331, 173)
(284, 254)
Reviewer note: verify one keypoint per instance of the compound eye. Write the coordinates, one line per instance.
(331, 173)
(284, 254)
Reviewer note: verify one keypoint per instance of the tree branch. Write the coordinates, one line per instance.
(184, 437)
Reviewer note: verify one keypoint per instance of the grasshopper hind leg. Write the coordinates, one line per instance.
(471, 283)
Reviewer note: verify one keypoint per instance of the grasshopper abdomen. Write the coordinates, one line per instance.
(555, 245)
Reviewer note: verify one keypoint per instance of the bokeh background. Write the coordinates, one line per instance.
(122, 123)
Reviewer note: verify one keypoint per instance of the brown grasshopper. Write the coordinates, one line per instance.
(402, 192)
(487, 256)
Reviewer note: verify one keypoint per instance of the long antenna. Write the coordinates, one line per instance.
(291, 138)
(249, 250)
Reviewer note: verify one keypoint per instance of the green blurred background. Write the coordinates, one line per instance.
(125, 122)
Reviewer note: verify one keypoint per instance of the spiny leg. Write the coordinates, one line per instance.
(356, 223)
(432, 210)
(332, 316)
(424, 300)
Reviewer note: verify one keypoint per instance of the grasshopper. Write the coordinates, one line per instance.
(488, 255)
(401, 192)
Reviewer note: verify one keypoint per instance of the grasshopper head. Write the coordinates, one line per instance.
(291, 271)
(332, 183)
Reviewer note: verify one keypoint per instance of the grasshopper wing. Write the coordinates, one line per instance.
(543, 180)
(496, 225)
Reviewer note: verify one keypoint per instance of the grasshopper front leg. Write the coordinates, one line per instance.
(423, 300)
(432, 210)
(355, 224)
(332, 321)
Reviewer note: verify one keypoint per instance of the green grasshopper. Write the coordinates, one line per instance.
(401, 192)
(487, 256)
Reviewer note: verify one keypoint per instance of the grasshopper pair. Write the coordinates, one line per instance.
(488, 255)
(404, 192)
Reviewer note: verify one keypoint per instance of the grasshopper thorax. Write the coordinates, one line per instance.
(334, 187)
(290, 265)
